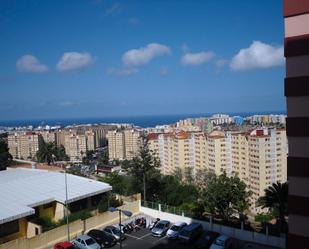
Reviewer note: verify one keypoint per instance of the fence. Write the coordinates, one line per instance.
(49, 238)
(231, 231)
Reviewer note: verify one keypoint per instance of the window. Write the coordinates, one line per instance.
(9, 228)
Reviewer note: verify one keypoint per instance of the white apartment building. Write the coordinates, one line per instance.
(258, 157)
(123, 144)
(24, 145)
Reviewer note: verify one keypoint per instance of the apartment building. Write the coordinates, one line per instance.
(296, 13)
(24, 145)
(267, 160)
(48, 136)
(75, 146)
(179, 150)
(257, 157)
(123, 144)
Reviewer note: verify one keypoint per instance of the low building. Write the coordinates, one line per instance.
(27, 194)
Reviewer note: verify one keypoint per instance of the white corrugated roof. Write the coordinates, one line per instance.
(23, 189)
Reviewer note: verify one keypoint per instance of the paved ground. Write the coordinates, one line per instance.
(144, 240)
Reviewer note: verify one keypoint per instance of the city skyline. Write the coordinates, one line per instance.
(117, 58)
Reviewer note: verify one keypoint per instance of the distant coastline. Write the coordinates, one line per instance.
(142, 121)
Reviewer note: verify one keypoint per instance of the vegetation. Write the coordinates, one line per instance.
(225, 197)
(108, 201)
(49, 152)
(276, 201)
(104, 158)
(5, 157)
(87, 158)
(143, 166)
(47, 223)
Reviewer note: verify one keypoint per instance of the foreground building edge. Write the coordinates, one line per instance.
(296, 19)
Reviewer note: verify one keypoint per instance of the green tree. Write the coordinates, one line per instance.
(5, 156)
(46, 153)
(276, 200)
(226, 196)
(104, 158)
(144, 165)
(88, 157)
(60, 154)
(49, 152)
(117, 181)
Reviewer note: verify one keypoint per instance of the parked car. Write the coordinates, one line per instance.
(191, 232)
(64, 245)
(222, 242)
(174, 230)
(115, 232)
(206, 240)
(102, 238)
(86, 242)
(160, 228)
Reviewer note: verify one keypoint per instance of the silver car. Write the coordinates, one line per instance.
(160, 228)
(174, 230)
(115, 232)
(86, 242)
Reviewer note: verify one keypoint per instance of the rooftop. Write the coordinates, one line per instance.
(24, 189)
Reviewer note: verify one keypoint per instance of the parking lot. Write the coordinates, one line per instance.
(143, 239)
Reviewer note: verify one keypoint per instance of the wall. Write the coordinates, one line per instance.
(49, 238)
(233, 232)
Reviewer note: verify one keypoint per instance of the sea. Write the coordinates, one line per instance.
(141, 121)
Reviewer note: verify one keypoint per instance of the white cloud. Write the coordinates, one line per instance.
(121, 71)
(258, 55)
(143, 55)
(29, 63)
(113, 10)
(74, 61)
(197, 58)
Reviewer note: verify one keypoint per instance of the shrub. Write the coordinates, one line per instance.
(108, 201)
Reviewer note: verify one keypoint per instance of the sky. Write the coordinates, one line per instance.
(103, 58)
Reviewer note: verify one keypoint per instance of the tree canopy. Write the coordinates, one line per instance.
(49, 152)
(226, 196)
(276, 200)
(5, 156)
(143, 166)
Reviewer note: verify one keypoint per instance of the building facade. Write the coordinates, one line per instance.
(24, 145)
(257, 157)
(123, 144)
(296, 13)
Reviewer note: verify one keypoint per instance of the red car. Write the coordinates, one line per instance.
(64, 245)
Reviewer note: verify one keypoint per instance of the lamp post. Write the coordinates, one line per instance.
(66, 202)
(125, 212)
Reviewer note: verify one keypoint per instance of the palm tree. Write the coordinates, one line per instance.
(46, 153)
(276, 200)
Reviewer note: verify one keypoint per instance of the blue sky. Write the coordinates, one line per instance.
(64, 59)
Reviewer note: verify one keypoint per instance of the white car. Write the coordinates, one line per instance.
(86, 242)
(222, 242)
(174, 230)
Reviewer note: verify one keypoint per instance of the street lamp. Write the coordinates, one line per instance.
(125, 212)
(66, 202)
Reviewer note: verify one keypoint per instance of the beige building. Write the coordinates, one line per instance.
(267, 160)
(48, 136)
(123, 144)
(259, 157)
(24, 145)
(75, 146)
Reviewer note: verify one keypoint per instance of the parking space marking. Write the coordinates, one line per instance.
(132, 236)
(145, 235)
(159, 240)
